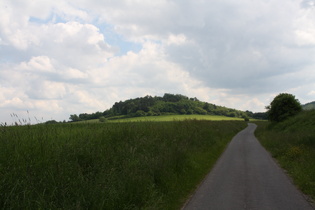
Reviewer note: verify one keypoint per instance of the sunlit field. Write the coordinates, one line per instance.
(167, 118)
(177, 118)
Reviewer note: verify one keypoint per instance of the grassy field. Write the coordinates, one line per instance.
(167, 118)
(292, 143)
(145, 165)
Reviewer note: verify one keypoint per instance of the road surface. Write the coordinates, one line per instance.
(246, 177)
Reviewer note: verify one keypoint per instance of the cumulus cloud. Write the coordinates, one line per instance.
(220, 40)
(59, 58)
(308, 3)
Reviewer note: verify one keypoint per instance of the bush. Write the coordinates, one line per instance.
(282, 107)
(51, 122)
(140, 113)
(102, 119)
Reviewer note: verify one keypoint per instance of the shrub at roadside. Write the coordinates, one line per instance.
(282, 107)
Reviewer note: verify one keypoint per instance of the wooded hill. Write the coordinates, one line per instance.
(166, 105)
(309, 106)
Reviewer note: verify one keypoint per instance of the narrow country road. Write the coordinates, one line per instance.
(246, 177)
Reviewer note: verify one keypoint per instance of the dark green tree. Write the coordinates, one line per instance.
(74, 118)
(282, 107)
(51, 122)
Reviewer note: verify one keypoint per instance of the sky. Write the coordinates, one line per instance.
(62, 57)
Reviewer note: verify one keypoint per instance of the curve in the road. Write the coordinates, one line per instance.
(246, 177)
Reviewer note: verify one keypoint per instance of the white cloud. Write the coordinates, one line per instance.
(176, 39)
(306, 37)
(38, 63)
(46, 90)
(59, 58)
(305, 26)
(311, 93)
(72, 73)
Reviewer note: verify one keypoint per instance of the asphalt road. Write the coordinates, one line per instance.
(246, 177)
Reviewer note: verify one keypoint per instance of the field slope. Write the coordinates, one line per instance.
(166, 118)
(292, 143)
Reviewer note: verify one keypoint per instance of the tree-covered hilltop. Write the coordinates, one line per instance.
(309, 106)
(168, 104)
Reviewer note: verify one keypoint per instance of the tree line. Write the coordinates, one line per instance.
(168, 104)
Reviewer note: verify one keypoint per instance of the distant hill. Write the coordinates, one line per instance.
(166, 105)
(309, 106)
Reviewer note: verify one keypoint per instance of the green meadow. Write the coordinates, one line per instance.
(143, 165)
(166, 118)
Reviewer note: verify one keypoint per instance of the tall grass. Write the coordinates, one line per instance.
(292, 143)
(151, 165)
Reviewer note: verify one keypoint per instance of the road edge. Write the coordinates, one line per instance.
(208, 174)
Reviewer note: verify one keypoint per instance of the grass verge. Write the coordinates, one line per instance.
(145, 165)
(292, 143)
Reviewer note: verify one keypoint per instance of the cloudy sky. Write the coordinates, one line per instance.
(62, 57)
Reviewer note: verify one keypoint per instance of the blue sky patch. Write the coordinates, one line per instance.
(53, 18)
(115, 39)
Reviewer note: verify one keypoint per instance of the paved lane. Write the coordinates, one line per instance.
(246, 177)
